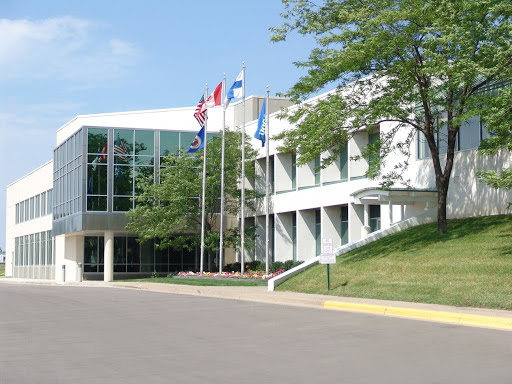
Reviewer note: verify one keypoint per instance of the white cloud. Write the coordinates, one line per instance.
(62, 48)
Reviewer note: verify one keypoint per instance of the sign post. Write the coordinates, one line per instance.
(327, 257)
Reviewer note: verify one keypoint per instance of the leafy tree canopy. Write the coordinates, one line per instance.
(500, 119)
(411, 63)
(170, 211)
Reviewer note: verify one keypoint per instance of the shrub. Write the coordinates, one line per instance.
(232, 267)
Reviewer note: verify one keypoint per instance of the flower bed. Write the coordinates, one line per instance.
(231, 275)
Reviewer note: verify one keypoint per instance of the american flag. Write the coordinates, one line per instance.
(199, 114)
(120, 148)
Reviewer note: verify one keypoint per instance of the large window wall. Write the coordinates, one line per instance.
(471, 133)
(35, 249)
(130, 256)
(119, 159)
(134, 159)
(67, 176)
(36, 206)
(97, 166)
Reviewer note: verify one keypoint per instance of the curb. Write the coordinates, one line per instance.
(502, 323)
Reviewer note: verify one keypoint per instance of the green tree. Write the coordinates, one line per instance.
(170, 211)
(499, 122)
(412, 63)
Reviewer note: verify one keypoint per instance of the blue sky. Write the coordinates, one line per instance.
(62, 58)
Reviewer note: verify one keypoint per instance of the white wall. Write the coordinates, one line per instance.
(37, 181)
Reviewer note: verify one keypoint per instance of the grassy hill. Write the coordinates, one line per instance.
(469, 266)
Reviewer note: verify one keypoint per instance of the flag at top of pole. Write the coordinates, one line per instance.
(262, 125)
(199, 113)
(236, 90)
(215, 98)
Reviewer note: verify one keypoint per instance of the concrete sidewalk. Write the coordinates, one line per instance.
(476, 317)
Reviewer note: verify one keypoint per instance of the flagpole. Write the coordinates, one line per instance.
(242, 220)
(203, 216)
(267, 185)
(221, 240)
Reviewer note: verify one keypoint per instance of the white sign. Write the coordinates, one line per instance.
(327, 245)
(327, 258)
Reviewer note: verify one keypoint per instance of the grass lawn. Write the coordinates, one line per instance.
(2, 269)
(201, 281)
(470, 266)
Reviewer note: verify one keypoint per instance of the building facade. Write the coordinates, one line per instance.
(71, 211)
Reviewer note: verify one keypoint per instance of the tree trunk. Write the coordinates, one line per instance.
(442, 193)
(210, 261)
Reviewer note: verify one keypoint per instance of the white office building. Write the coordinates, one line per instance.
(71, 210)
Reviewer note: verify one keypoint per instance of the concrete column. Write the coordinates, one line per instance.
(284, 236)
(306, 243)
(390, 214)
(60, 252)
(108, 274)
(331, 225)
(366, 230)
(402, 212)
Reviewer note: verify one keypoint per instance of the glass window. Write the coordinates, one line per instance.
(144, 143)
(123, 180)
(294, 235)
(25, 249)
(169, 142)
(43, 248)
(16, 251)
(143, 173)
(119, 254)
(442, 138)
(318, 232)
(97, 139)
(186, 139)
(123, 146)
(484, 134)
(372, 139)
(144, 160)
(317, 170)
(344, 163)
(271, 174)
(22, 212)
(43, 204)
(97, 203)
(49, 255)
(374, 217)
(147, 257)
(21, 251)
(123, 204)
(17, 217)
(36, 249)
(27, 210)
(162, 258)
(133, 254)
(344, 224)
(469, 134)
(49, 205)
(423, 149)
(294, 171)
(31, 250)
(38, 206)
(97, 183)
(90, 250)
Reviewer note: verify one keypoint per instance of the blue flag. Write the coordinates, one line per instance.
(236, 90)
(262, 125)
(198, 142)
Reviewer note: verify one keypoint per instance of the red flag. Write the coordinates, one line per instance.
(199, 114)
(214, 98)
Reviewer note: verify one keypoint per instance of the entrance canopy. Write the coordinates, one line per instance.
(394, 196)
